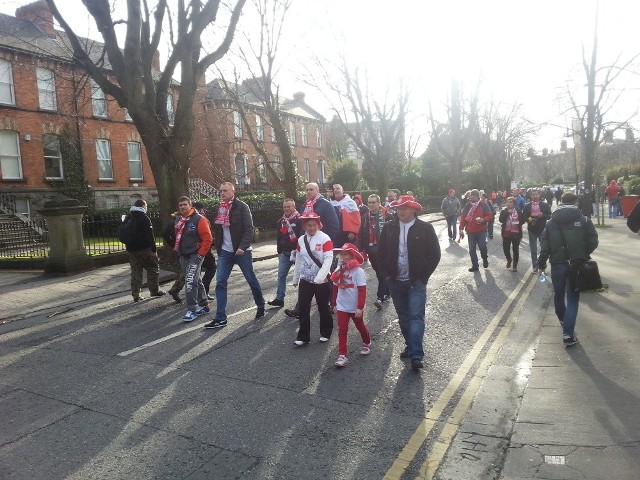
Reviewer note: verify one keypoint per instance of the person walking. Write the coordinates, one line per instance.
(368, 239)
(233, 233)
(474, 218)
(192, 242)
(142, 252)
(209, 262)
(511, 219)
(319, 205)
(451, 209)
(289, 228)
(612, 192)
(314, 254)
(349, 296)
(408, 254)
(568, 236)
(536, 213)
(348, 215)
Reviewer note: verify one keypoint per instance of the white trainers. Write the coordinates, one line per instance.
(324, 339)
(190, 316)
(342, 361)
(366, 349)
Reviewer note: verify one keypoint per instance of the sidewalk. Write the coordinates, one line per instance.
(580, 413)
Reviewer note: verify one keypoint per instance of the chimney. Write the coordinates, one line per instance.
(299, 97)
(38, 13)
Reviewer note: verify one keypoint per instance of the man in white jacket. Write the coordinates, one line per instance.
(314, 255)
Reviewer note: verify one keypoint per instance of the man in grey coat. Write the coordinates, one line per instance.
(451, 209)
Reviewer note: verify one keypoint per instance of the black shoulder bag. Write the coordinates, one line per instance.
(313, 257)
(583, 274)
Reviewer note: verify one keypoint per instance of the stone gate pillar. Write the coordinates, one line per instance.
(67, 253)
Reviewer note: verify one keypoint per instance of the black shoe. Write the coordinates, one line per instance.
(474, 269)
(159, 293)
(276, 302)
(175, 296)
(404, 353)
(260, 312)
(292, 313)
(485, 263)
(416, 364)
(216, 324)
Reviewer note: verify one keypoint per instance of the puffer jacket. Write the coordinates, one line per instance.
(579, 232)
(450, 206)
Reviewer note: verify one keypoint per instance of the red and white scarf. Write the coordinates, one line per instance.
(179, 229)
(285, 226)
(222, 217)
(535, 209)
(337, 277)
(513, 221)
(469, 218)
(308, 207)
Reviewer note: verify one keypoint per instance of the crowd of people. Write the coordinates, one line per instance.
(326, 241)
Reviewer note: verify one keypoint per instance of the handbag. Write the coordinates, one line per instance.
(583, 274)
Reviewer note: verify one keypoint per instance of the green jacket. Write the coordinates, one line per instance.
(579, 232)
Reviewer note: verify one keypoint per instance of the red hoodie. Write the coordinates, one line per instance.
(482, 210)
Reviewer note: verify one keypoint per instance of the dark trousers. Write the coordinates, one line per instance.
(383, 288)
(209, 267)
(306, 292)
(452, 226)
(506, 248)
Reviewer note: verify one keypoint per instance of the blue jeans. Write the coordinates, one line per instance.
(410, 301)
(452, 223)
(226, 261)
(478, 240)
(568, 312)
(284, 265)
(533, 246)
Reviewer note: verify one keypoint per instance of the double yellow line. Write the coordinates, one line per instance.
(452, 423)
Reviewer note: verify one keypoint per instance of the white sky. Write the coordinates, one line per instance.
(525, 51)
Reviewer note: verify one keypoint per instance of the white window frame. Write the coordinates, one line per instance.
(259, 128)
(320, 169)
(98, 101)
(292, 132)
(52, 158)
(171, 114)
(7, 93)
(237, 124)
(261, 171)
(273, 134)
(135, 164)
(111, 201)
(10, 158)
(307, 169)
(305, 136)
(318, 137)
(104, 160)
(242, 178)
(46, 89)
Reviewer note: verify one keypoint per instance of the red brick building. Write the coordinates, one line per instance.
(222, 150)
(42, 91)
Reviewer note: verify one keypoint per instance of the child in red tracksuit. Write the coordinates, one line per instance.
(349, 295)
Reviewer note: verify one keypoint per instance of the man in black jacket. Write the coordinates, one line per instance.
(536, 214)
(408, 253)
(142, 253)
(370, 229)
(232, 235)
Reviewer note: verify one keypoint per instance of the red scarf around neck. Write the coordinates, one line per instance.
(222, 217)
(285, 226)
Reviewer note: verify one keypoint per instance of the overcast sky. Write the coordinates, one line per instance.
(524, 51)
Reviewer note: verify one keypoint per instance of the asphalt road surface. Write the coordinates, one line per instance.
(112, 389)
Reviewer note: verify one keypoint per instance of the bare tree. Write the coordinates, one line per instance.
(258, 55)
(127, 74)
(452, 137)
(591, 117)
(376, 127)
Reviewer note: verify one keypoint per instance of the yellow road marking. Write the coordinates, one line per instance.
(442, 444)
(414, 444)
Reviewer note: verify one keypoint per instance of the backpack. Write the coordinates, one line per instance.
(127, 230)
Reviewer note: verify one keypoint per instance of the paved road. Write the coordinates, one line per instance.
(111, 389)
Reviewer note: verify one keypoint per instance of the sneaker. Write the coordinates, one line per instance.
(378, 304)
(203, 310)
(159, 293)
(190, 316)
(570, 341)
(175, 296)
(485, 263)
(474, 269)
(416, 364)
(508, 263)
(137, 298)
(365, 349)
(259, 312)
(276, 302)
(299, 343)
(209, 297)
(293, 313)
(386, 298)
(534, 271)
(324, 339)
(404, 353)
(342, 361)
(215, 323)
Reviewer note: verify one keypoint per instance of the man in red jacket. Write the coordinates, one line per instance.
(474, 218)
